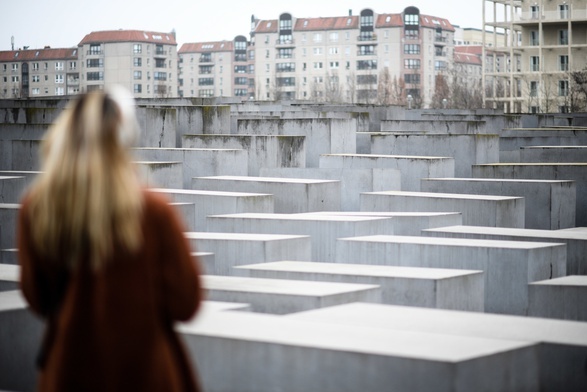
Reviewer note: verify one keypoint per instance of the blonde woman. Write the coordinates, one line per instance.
(104, 261)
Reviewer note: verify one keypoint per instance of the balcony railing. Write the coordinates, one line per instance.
(367, 37)
(281, 42)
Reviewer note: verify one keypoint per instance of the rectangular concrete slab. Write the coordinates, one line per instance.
(410, 286)
(562, 298)
(291, 195)
(508, 266)
(324, 230)
(576, 240)
(283, 296)
(232, 249)
(259, 352)
(562, 344)
(481, 210)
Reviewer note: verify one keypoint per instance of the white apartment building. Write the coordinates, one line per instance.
(216, 69)
(351, 58)
(543, 41)
(144, 62)
(39, 73)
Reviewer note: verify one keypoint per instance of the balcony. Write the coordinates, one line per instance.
(284, 42)
(205, 59)
(363, 38)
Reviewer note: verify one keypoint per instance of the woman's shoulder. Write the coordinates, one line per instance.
(156, 203)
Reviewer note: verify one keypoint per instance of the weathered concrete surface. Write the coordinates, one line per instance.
(561, 298)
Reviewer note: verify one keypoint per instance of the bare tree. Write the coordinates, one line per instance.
(352, 87)
(441, 92)
(332, 90)
(578, 89)
(398, 88)
(384, 88)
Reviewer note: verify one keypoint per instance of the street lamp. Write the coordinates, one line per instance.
(444, 102)
(410, 99)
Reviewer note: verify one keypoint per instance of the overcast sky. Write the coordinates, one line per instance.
(64, 23)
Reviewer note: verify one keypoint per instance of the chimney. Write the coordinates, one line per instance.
(350, 12)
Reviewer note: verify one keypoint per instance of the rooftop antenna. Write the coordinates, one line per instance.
(12, 42)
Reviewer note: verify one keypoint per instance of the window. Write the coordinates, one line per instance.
(563, 37)
(162, 76)
(318, 79)
(366, 50)
(318, 65)
(411, 34)
(563, 88)
(563, 63)
(240, 69)
(4, 67)
(36, 78)
(440, 65)
(366, 64)
(95, 49)
(412, 78)
(412, 63)
(285, 53)
(281, 82)
(206, 82)
(534, 63)
(285, 67)
(533, 88)
(59, 79)
(411, 19)
(333, 37)
(563, 11)
(317, 51)
(412, 49)
(333, 50)
(317, 37)
(240, 92)
(137, 48)
(35, 66)
(36, 91)
(138, 88)
(160, 63)
(205, 69)
(159, 49)
(334, 64)
(95, 63)
(95, 76)
(15, 67)
(72, 65)
(285, 24)
(15, 79)
(59, 91)
(137, 62)
(366, 20)
(535, 11)
(138, 75)
(366, 79)
(534, 40)
(241, 80)
(285, 39)
(438, 51)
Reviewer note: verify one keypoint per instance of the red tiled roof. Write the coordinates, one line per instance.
(38, 54)
(266, 26)
(434, 22)
(129, 36)
(471, 49)
(389, 20)
(198, 47)
(334, 23)
(467, 58)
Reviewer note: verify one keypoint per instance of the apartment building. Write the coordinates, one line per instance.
(544, 41)
(39, 73)
(216, 69)
(348, 58)
(142, 61)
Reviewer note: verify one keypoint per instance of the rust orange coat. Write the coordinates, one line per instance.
(114, 330)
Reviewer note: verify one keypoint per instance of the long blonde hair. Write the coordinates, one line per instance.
(88, 198)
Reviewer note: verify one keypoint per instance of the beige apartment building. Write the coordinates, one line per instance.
(543, 42)
(216, 69)
(351, 58)
(39, 73)
(142, 61)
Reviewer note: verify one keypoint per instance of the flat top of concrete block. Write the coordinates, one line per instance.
(9, 272)
(534, 164)
(498, 180)
(10, 177)
(270, 179)
(553, 147)
(11, 300)
(282, 330)
(451, 322)
(202, 254)
(186, 149)
(7, 206)
(376, 156)
(383, 271)
(219, 306)
(241, 236)
(302, 288)
(389, 214)
(158, 162)
(207, 193)
(462, 242)
(462, 196)
(301, 217)
(513, 232)
(569, 281)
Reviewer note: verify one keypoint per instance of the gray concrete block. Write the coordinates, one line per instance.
(553, 154)
(412, 168)
(406, 223)
(324, 230)
(218, 203)
(508, 266)
(198, 162)
(290, 195)
(12, 189)
(9, 277)
(481, 210)
(543, 171)
(549, 205)
(259, 352)
(26, 155)
(561, 298)
(575, 240)
(161, 174)
(283, 296)
(467, 150)
(562, 345)
(409, 286)
(232, 249)
(8, 219)
(8, 256)
(352, 181)
(264, 151)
